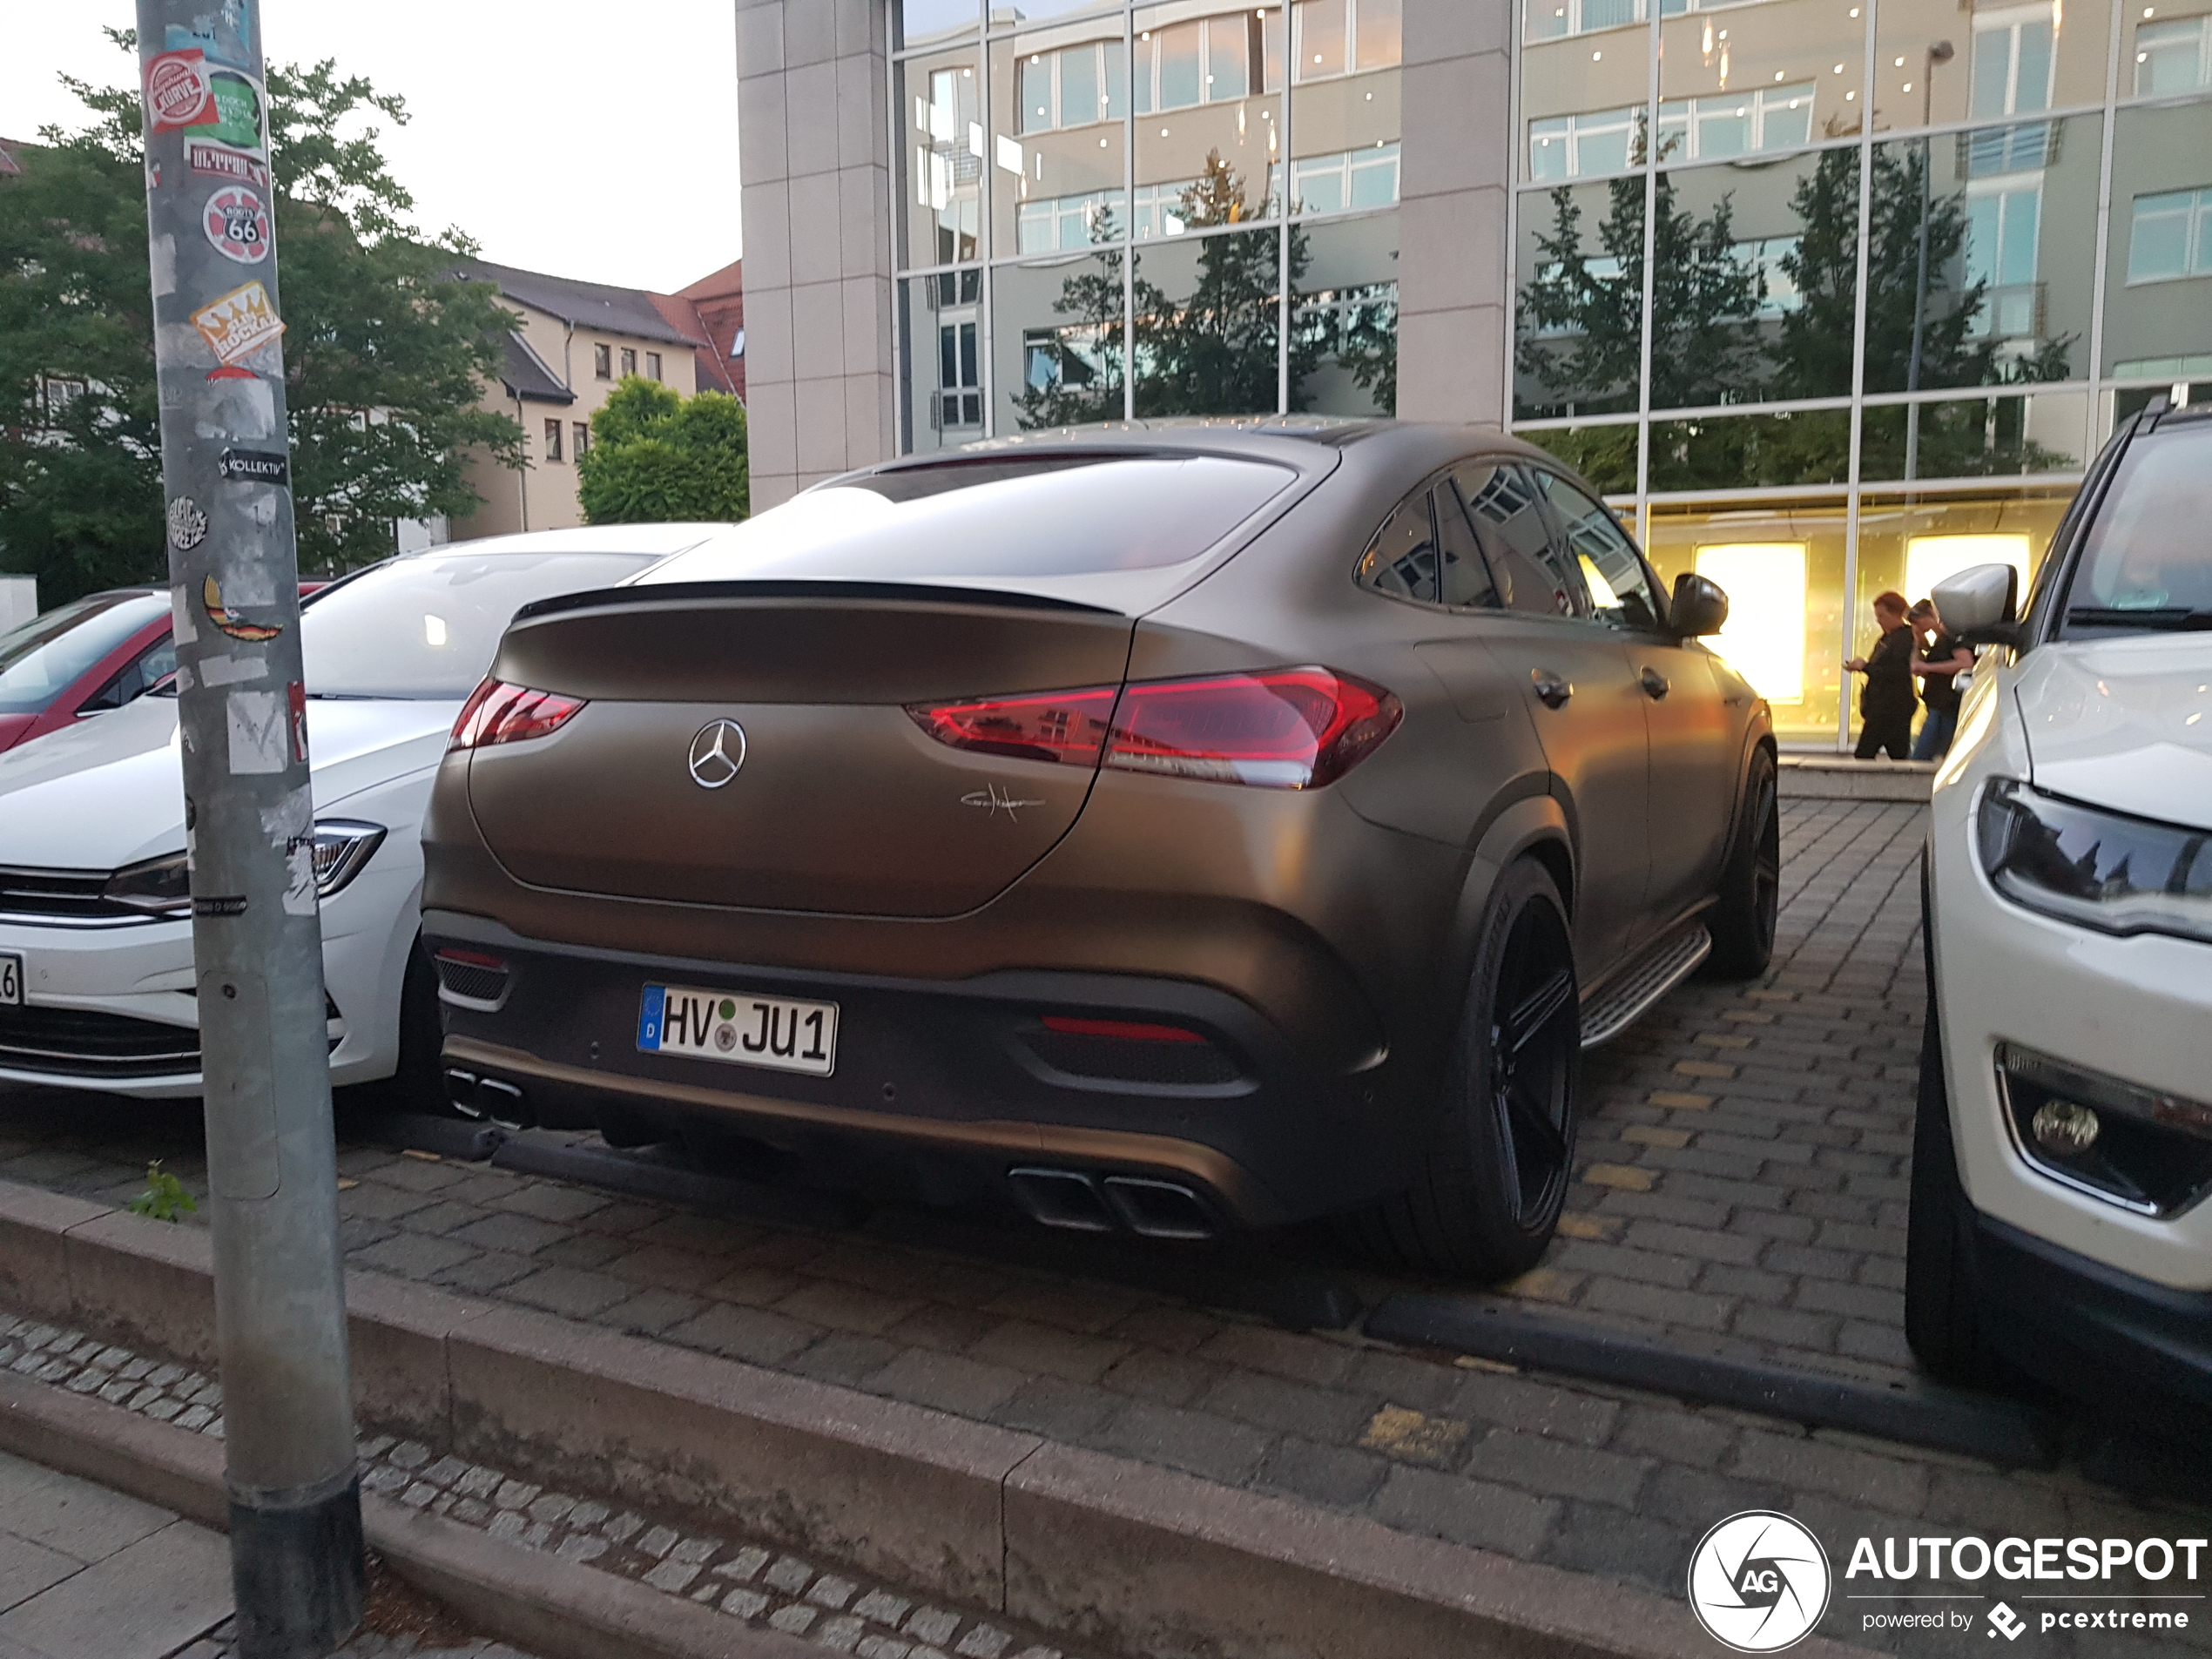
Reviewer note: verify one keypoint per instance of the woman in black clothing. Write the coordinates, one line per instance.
(1885, 705)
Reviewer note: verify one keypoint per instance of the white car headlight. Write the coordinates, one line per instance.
(159, 886)
(2095, 869)
(342, 847)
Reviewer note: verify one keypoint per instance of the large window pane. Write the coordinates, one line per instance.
(1057, 342)
(1033, 12)
(1208, 147)
(1582, 105)
(1579, 325)
(931, 23)
(1208, 324)
(1781, 564)
(1347, 125)
(1802, 447)
(1979, 437)
(2009, 262)
(938, 102)
(1605, 455)
(2158, 287)
(1744, 80)
(942, 371)
(1934, 62)
(1059, 97)
(1347, 294)
(1755, 275)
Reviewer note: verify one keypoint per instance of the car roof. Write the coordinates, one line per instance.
(656, 541)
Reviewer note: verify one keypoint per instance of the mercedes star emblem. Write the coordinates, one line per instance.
(717, 754)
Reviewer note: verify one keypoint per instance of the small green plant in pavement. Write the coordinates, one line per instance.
(164, 1198)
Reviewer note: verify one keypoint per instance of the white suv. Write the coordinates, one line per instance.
(2064, 1147)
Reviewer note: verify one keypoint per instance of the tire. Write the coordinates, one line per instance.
(418, 1083)
(1742, 924)
(1943, 1322)
(1486, 1203)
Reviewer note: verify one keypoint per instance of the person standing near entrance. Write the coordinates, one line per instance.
(1886, 705)
(1937, 666)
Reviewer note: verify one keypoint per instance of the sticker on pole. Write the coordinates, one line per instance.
(179, 93)
(187, 525)
(254, 467)
(234, 115)
(217, 162)
(238, 322)
(211, 600)
(238, 224)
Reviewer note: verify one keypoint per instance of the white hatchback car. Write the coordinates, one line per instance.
(96, 949)
(2064, 1148)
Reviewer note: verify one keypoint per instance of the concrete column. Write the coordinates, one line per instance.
(815, 169)
(1454, 281)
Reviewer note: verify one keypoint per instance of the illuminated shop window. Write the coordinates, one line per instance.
(1929, 559)
(1764, 640)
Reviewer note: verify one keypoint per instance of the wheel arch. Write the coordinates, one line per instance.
(1534, 826)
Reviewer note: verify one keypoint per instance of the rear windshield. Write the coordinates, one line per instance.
(1035, 516)
(2147, 565)
(49, 654)
(428, 626)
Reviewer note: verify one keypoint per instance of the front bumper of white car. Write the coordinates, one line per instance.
(2033, 1009)
(111, 1008)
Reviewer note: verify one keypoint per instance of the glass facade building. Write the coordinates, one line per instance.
(1829, 296)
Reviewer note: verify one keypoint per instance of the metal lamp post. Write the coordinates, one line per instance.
(296, 1560)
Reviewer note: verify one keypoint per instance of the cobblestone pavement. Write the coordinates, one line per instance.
(763, 1586)
(1743, 1170)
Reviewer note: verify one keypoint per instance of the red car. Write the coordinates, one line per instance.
(84, 657)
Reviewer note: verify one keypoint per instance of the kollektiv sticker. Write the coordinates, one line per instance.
(178, 91)
(238, 322)
(187, 525)
(254, 467)
(238, 224)
(218, 162)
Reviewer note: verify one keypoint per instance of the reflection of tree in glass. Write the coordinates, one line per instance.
(1082, 381)
(1367, 344)
(1581, 314)
(1215, 354)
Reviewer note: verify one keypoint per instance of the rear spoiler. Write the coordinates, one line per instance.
(630, 596)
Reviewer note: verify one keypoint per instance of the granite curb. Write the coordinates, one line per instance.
(1116, 1552)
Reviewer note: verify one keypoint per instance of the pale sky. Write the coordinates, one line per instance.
(573, 137)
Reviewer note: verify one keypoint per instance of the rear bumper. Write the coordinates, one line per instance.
(2081, 1326)
(953, 1080)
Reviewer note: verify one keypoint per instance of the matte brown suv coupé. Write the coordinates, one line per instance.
(1177, 829)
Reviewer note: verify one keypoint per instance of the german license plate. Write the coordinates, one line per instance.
(779, 1032)
(11, 981)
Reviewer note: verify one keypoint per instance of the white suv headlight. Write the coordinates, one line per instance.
(2095, 869)
(342, 846)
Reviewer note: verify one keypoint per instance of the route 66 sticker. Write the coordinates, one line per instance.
(238, 224)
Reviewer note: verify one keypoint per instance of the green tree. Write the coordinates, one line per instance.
(384, 355)
(660, 458)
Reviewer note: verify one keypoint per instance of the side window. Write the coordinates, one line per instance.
(1467, 583)
(134, 679)
(1402, 559)
(1526, 567)
(1619, 587)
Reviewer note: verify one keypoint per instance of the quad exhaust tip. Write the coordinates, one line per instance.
(1076, 1202)
(488, 1099)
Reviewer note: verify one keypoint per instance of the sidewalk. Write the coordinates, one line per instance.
(88, 1573)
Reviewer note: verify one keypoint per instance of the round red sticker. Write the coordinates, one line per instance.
(178, 91)
(238, 225)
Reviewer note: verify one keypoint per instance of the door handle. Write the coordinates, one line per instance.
(1550, 687)
(1654, 684)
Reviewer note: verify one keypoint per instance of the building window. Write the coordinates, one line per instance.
(1574, 146)
(652, 365)
(1075, 86)
(552, 439)
(958, 373)
(603, 362)
(2004, 223)
(1208, 60)
(1347, 37)
(1736, 123)
(2172, 56)
(628, 361)
(2013, 62)
(1064, 222)
(2171, 236)
(1339, 183)
(582, 433)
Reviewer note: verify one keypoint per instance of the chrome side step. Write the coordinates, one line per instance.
(1629, 998)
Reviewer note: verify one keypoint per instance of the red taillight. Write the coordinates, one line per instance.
(1059, 726)
(1289, 728)
(498, 712)
(1128, 1030)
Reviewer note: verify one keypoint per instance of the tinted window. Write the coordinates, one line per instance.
(2147, 563)
(47, 655)
(1514, 535)
(426, 626)
(1466, 574)
(1619, 589)
(1035, 516)
(1401, 560)
(154, 664)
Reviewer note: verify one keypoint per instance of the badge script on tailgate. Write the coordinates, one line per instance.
(994, 800)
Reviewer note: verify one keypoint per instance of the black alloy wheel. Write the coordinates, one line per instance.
(1742, 922)
(1489, 1193)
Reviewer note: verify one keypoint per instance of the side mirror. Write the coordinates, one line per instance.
(1699, 607)
(1981, 605)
